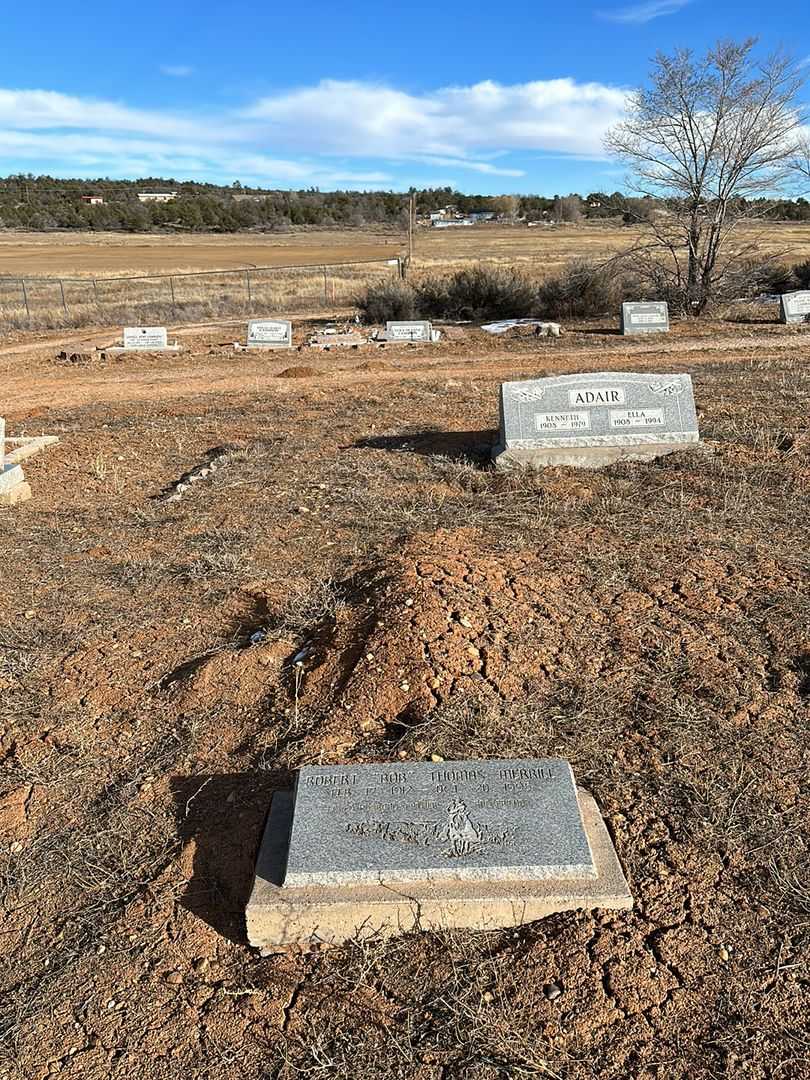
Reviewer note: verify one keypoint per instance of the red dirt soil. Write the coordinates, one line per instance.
(648, 622)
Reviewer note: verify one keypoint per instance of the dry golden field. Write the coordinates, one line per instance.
(108, 254)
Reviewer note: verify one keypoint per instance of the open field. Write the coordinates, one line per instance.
(107, 254)
(82, 280)
(651, 623)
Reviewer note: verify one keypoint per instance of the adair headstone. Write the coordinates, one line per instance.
(645, 317)
(794, 307)
(409, 331)
(595, 419)
(269, 334)
(363, 849)
(145, 337)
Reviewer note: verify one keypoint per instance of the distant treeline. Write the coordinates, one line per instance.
(43, 202)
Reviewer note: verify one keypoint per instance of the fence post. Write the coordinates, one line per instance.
(249, 292)
(25, 298)
(171, 287)
(325, 287)
(62, 289)
(95, 290)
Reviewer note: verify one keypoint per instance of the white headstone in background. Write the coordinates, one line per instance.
(145, 337)
(645, 317)
(408, 331)
(795, 307)
(269, 334)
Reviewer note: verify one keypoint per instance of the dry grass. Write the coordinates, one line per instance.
(132, 794)
(540, 253)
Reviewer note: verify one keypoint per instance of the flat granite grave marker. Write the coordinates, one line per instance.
(269, 334)
(144, 339)
(594, 419)
(646, 317)
(361, 850)
(794, 307)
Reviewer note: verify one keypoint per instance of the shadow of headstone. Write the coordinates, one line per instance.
(223, 815)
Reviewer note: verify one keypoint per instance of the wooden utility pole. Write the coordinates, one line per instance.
(411, 223)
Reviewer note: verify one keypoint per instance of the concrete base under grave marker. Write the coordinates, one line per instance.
(10, 476)
(385, 849)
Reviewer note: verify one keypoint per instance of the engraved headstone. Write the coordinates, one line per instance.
(409, 331)
(380, 848)
(422, 822)
(648, 317)
(269, 334)
(145, 337)
(591, 420)
(794, 307)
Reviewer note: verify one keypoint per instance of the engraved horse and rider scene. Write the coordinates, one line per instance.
(459, 833)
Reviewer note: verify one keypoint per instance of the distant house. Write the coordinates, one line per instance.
(481, 215)
(454, 224)
(93, 200)
(156, 196)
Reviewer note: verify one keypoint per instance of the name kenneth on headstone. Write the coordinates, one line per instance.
(795, 307)
(648, 317)
(269, 334)
(380, 848)
(592, 420)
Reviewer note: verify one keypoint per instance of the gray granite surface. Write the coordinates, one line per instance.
(645, 317)
(458, 820)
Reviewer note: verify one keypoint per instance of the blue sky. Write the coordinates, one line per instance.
(354, 94)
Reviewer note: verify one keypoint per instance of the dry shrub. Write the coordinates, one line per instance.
(388, 300)
(478, 293)
(584, 290)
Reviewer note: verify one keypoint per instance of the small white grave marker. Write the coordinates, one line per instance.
(645, 317)
(794, 307)
(145, 339)
(411, 330)
(269, 334)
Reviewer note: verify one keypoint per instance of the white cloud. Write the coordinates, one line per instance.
(313, 135)
(646, 12)
(177, 71)
(361, 118)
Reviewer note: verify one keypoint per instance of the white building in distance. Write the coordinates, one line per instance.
(156, 196)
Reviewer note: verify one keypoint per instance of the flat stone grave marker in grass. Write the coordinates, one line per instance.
(591, 420)
(269, 334)
(794, 307)
(144, 339)
(647, 317)
(378, 849)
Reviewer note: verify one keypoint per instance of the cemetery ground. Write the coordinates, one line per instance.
(354, 584)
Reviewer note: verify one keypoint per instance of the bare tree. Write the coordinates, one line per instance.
(707, 136)
(567, 209)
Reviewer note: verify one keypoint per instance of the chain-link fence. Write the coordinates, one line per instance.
(280, 290)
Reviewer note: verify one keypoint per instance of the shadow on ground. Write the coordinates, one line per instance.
(473, 446)
(223, 816)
